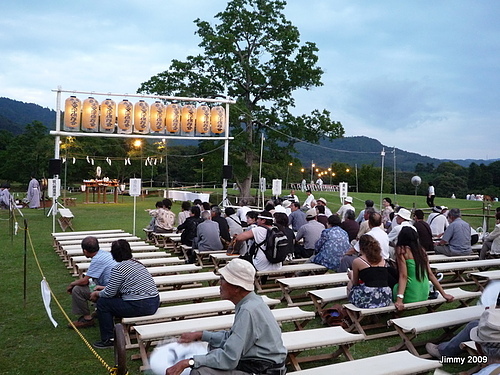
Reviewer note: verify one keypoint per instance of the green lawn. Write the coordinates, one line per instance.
(33, 346)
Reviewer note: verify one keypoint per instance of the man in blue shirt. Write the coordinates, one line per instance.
(456, 239)
(101, 262)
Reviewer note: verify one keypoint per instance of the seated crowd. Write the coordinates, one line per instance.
(384, 254)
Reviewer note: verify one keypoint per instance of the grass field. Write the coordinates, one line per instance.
(33, 346)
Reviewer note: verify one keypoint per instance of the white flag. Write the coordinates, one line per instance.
(46, 300)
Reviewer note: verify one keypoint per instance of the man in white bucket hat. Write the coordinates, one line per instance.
(252, 345)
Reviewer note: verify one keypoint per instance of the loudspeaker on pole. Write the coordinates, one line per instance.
(55, 167)
(227, 172)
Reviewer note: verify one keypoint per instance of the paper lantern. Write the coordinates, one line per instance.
(203, 119)
(125, 112)
(72, 113)
(90, 115)
(108, 115)
(141, 117)
(188, 116)
(173, 118)
(157, 117)
(218, 119)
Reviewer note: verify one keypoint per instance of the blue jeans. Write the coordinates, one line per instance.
(452, 348)
(108, 308)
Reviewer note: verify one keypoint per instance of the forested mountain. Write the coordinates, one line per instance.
(360, 150)
(15, 115)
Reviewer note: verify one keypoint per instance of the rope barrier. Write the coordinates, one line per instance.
(111, 370)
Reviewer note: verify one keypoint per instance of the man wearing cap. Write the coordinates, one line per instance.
(402, 219)
(487, 338)
(456, 239)
(258, 234)
(310, 233)
(345, 207)
(438, 221)
(252, 346)
(322, 202)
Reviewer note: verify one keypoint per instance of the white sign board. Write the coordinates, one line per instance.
(276, 187)
(343, 190)
(135, 187)
(262, 184)
(54, 188)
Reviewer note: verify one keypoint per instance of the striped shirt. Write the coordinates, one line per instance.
(130, 280)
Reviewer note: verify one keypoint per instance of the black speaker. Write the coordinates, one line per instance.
(54, 167)
(227, 172)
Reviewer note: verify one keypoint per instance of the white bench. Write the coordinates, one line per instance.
(323, 297)
(74, 260)
(85, 233)
(128, 237)
(184, 311)
(287, 270)
(357, 315)
(188, 279)
(70, 251)
(435, 258)
(409, 327)
(291, 284)
(148, 333)
(460, 268)
(297, 342)
(482, 278)
(81, 268)
(399, 363)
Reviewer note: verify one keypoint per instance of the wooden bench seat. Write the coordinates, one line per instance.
(139, 256)
(398, 363)
(297, 342)
(184, 311)
(292, 284)
(202, 257)
(166, 240)
(435, 258)
(76, 250)
(129, 238)
(450, 320)
(85, 233)
(357, 315)
(481, 278)
(187, 279)
(322, 297)
(81, 268)
(459, 269)
(287, 270)
(221, 258)
(149, 333)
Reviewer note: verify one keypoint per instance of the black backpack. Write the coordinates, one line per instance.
(276, 245)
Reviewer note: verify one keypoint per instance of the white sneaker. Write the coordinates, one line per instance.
(433, 350)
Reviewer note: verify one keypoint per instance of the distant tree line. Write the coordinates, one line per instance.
(161, 163)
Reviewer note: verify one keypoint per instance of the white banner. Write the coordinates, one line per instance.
(276, 187)
(135, 187)
(54, 188)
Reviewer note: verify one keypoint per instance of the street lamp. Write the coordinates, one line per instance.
(312, 171)
(202, 160)
(138, 144)
(287, 172)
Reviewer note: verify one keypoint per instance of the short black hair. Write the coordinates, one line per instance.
(90, 244)
(120, 249)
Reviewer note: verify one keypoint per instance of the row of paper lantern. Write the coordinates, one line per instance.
(141, 118)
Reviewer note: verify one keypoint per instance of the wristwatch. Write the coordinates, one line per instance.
(401, 296)
(191, 362)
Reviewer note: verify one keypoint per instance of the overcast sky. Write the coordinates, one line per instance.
(423, 76)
